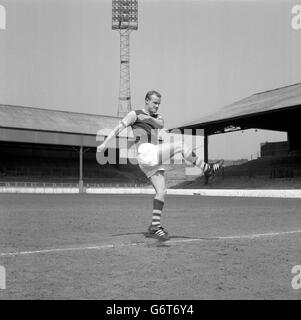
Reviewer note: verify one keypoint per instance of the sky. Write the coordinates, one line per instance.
(201, 55)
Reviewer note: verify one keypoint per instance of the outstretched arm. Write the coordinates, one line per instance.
(113, 134)
(129, 119)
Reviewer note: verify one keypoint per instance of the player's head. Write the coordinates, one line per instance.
(152, 101)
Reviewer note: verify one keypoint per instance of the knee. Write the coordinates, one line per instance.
(160, 194)
(179, 145)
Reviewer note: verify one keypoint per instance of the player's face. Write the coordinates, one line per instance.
(153, 104)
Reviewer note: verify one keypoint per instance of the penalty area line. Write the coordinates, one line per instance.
(120, 245)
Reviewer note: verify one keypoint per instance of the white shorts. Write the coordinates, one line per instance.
(148, 159)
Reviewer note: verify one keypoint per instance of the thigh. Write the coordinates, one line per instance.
(158, 181)
(167, 151)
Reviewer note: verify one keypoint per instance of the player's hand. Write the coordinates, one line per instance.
(101, 148)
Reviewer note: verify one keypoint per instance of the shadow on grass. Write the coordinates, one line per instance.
(145, 234)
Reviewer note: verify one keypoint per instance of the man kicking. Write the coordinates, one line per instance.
(151, 155)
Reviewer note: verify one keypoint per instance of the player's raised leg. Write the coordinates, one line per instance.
(155, 230)
(168, 150)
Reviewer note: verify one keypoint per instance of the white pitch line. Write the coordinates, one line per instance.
(243, 236)
(119, 245)
(260, 235)
(106, 246)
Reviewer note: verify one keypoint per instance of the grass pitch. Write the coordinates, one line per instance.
(92, 247)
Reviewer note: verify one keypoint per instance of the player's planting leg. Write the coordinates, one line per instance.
(157, 211)
(155, 230)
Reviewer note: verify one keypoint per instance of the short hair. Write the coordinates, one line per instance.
(151, 93)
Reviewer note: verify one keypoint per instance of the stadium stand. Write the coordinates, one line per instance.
(278, 109)
(264, 172)
(49, 164)
(39, 146)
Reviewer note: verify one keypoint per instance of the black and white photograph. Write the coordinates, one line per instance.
(150, 151)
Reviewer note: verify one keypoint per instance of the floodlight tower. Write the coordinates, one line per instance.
(124, 20)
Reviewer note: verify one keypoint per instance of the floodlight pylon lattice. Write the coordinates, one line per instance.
(124, 20)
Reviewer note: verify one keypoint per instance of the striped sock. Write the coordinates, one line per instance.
(157, 211)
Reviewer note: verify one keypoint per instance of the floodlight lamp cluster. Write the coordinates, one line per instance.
(124, 14)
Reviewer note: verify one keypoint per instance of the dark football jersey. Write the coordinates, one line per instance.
(144, 131)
